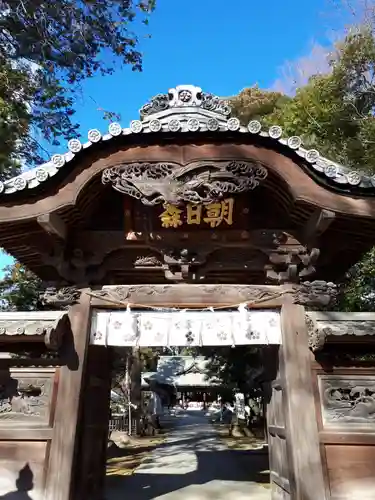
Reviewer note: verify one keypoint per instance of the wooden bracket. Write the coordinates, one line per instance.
(317, 224)
(53, 224)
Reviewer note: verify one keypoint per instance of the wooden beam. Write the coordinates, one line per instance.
(53, 224)
(316, 293)
(342, 437)
(24, 434)
(318, 223)
(187, 295)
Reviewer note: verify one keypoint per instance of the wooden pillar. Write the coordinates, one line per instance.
(307, 481)
(74, 351)
(90, 463)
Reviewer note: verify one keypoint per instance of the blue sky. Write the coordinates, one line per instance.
(220, 46)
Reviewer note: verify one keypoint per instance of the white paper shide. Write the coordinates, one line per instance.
(185, 328)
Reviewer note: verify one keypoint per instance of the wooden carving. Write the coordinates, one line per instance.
(197, 182)
(350, 327)
(317, 336)
(190, 256)
(348, 400)
(60, 298)
(24, 399)
(310, 294)
(315, 293)
(147, 261)
(291, 265)
(178, 294)
(76, 267)
(182, 263)
(282, 257)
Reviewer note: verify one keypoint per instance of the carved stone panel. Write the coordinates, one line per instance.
(347, 400)
(26, 397)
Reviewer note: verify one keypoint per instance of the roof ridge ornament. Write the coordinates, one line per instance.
(184, 96)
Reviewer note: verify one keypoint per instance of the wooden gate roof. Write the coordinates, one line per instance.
(184, 148)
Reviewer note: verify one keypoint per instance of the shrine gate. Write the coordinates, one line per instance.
(188, 210)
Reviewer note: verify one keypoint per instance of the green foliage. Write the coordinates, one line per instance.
(233, 367)
(254, 103)
(358, 294)
(47, 48)
(335, 112)
(14, 118)
(19, 289)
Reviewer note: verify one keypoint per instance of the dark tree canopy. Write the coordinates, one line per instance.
(46, 49)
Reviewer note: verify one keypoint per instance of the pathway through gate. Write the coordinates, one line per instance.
(194, 464)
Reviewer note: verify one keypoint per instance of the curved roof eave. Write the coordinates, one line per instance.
(197, 112)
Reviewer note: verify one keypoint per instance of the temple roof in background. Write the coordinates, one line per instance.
(180, 371)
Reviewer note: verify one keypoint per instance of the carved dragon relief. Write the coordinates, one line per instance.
(198, 182)
(348, 401)
(60, 298)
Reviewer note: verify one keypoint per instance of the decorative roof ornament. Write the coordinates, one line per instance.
(187, 109)
(185, 96)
